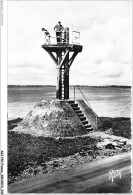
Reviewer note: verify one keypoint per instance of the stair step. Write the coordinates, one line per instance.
(89, 129)
(78, 111)
(71, 101)
(87, 126)
(82, 118)
(80, 115)
(84, 122)
(74, 105)
(76, 108)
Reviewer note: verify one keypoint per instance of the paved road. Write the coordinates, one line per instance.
(85, 178)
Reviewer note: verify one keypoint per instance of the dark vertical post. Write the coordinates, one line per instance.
(58, 88)
(66, 78)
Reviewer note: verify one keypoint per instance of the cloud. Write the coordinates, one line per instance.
(110, 69)
(106, 36)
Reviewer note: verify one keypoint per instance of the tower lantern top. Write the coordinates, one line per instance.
(61, 35)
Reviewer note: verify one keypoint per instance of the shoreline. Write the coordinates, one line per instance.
(95, 86)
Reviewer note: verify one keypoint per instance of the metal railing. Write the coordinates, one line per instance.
(86, 102)
(75, 37)
(64, 37)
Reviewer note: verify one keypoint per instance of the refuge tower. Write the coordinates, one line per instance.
(62, 117)
(63, 54)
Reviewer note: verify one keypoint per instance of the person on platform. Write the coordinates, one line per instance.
(58, 29)
(47, 35)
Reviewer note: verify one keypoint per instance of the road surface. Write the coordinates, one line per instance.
(85, 178)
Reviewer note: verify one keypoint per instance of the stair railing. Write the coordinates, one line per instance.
(86, 101)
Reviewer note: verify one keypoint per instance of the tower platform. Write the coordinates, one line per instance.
(61, 47)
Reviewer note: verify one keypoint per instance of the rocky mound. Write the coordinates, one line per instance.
(51, 118)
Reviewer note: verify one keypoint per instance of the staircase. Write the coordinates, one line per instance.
(80, 115)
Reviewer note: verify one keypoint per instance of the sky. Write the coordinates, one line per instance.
(105, 33)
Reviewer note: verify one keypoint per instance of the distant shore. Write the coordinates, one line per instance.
(104, 86)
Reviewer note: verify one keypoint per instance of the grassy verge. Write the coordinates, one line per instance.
(26, 151)
(120, 126)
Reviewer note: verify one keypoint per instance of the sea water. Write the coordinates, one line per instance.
(105, 101)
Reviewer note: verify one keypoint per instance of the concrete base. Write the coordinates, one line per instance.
(52, 118)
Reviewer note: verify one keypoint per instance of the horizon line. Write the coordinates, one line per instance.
(76, 85)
